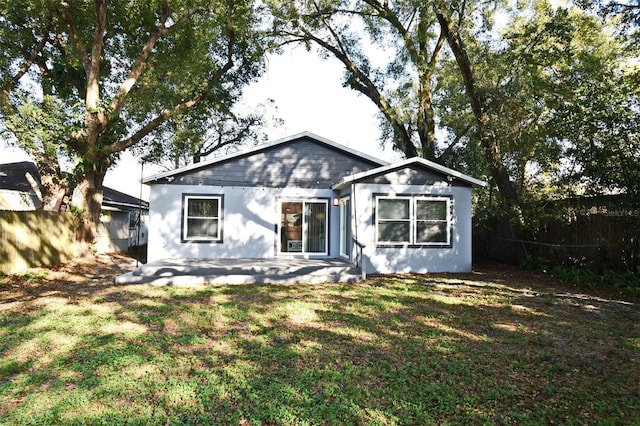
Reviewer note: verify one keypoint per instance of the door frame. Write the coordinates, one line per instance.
(343, 202)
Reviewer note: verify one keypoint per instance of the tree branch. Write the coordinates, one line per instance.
(392, 18)
(78, 80)
(168, 113)
(67, 18)
(364, 85)
(29, 60)
(448, 151)
(138, 67)
(239, 136)
(93, 72)
(487, 136)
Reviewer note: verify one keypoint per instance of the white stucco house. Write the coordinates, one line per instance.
(307, 197)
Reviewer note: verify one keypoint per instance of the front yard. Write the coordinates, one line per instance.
(498, 346)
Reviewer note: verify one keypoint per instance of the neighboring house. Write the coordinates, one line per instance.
(119, 220)
(307, 197)
(123, 222)
(20, 186)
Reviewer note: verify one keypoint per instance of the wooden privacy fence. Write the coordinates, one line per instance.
(35, 238)
(604, 236)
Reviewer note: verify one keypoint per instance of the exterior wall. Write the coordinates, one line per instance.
(301, 163)
(250, 221)
(407, 176)
(113, 232)
(142, 226)
(456, 258)
(18, 201)
(411, 176)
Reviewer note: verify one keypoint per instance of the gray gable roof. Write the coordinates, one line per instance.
(410, 172)
(117, 199)
(303, 160)
(13, 176)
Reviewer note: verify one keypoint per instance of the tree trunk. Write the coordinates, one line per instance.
(488, 138)
(87, 197)
(426, 123)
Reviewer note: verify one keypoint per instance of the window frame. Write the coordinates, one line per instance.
(185, 218)
(304, 225)
(345, 225)
(413, 220)
(408, 221)
(447, 220)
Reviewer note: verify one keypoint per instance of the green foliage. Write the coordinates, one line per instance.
(564, 100)
(192, 137)
(558, 86)
(583, 275)
(389, 53)
(153, 61)
(591, 276)
(34, 277)
(587, 275)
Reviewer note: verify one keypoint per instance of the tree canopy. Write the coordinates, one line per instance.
(91, 78)
(543, 105)
(541, 100)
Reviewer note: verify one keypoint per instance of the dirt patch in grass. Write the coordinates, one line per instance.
(84, 276)
(496, 346)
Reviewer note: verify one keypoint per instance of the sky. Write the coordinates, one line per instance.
(309, 96)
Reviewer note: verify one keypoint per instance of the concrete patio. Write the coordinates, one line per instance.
(195, 272)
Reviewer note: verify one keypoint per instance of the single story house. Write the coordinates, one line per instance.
(307, 197)
(120, 225)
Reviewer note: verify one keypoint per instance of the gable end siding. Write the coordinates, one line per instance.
(302, 163)
(412, 176)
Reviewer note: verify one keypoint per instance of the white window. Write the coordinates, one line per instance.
(394, 220)
(432, 221)
(413, 220)
(202, 218)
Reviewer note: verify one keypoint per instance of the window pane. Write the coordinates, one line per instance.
(303, 227)
(430, 232)
(203, 208)
(393, 232)
(291, 227)
(393, 208)
(205, 228)
(133, 219)
(430, 209)
(315, 219)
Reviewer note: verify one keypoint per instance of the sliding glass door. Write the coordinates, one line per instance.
(303, 226)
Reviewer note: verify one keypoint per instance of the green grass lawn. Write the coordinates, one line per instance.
(498, 346)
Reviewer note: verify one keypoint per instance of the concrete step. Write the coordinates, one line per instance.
(198, 272)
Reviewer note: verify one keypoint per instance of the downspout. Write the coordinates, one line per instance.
(355, 221)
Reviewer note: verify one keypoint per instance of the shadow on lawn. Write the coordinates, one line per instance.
(473, 349)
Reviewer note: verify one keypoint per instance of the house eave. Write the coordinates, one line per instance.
(117, 204)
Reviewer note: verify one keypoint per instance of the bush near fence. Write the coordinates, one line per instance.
(35, 238)
(598, 231)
